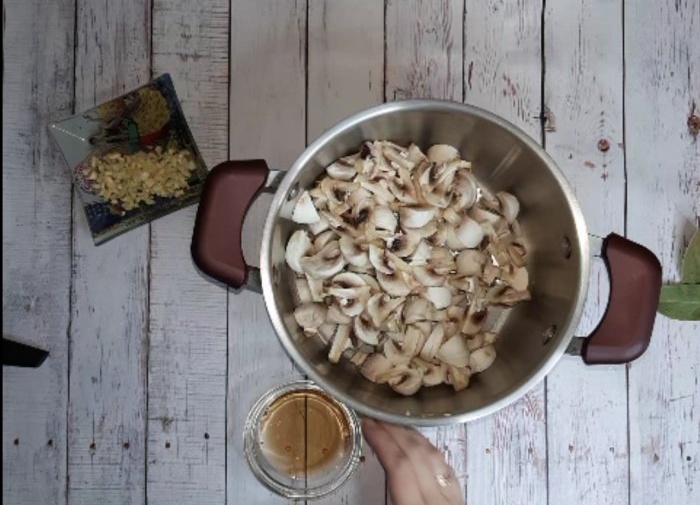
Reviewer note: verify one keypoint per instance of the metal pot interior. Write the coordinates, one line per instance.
(533, 335)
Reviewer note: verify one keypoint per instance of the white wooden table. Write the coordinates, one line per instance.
(153, 368)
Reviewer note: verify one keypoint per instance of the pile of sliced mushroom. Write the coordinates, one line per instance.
(401, 256)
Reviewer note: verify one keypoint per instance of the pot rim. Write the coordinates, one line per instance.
(287, 341)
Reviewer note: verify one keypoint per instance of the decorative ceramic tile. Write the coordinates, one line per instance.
(133, 159)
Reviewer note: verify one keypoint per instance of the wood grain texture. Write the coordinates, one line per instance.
(188, 334)
(36, 231)
(267, 117)
(109, 323)
(423, 49)
(587, 406)
(346, 61)
(507, 452)
(424, 60)
(345, 75)
(662, 93)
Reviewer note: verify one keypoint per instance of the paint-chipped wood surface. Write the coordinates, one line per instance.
(153, 368)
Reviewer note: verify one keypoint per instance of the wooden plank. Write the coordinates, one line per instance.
(186, 450)
(345, 75)
(36, 242)
(662, 95)
(424, 60)
(587, 406)
(267, 115)
(507, 454)
(108, 352)
(423, 49)
(346, 61)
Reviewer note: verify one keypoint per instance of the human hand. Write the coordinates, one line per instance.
(417, 473)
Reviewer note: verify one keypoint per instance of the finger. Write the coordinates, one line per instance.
(435, 477)
(401, 477)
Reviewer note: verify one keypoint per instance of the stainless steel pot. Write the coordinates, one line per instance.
(533, 336)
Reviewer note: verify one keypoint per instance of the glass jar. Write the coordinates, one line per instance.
(300, 442)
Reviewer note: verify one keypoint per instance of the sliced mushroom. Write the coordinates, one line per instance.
(325, 263)
(341, 340)
(438, 197)
(490, 337)
(343, 169)
(475, 342)
(508, 296)
(310, 316)
(516, 253)
(403, 379)
(394, 284)
(422, 254)
(516, 277)
(482, 358)
(304, 210)
(416, 309)
(375, 366)
(481, 215)
(365, 331)
(347, 285)
(358, 357)
(324, 238)
(326, 332)
(336, 316)
(384, 219)
(298, 246)
(465, 190)
(404, 244)
(381, 193)
(467, 234)
(302, 293)
(427, 276)
(510, 206)
(337, 192)
(458, 377)
(380, 306)
(413, 341)
(319, 226)
(442, 153)
(415, 217)
(434, 374)
(394, 354)
(442, 260)
(402, 187)
(352, 307)
(433, 342)
(466, 284)
(454, 351)
(490, 274)
(378, 260)
(439, 238)
(470, 262)
(474, 319)
(317, 288)
(370, 281)
(440, 296)
(397, 157)
(353, 252)
(455, 318)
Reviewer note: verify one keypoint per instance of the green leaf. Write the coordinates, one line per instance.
(680, 301)
(690, 271)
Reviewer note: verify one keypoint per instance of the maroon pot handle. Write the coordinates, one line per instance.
(635, 285)
(229, 190)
